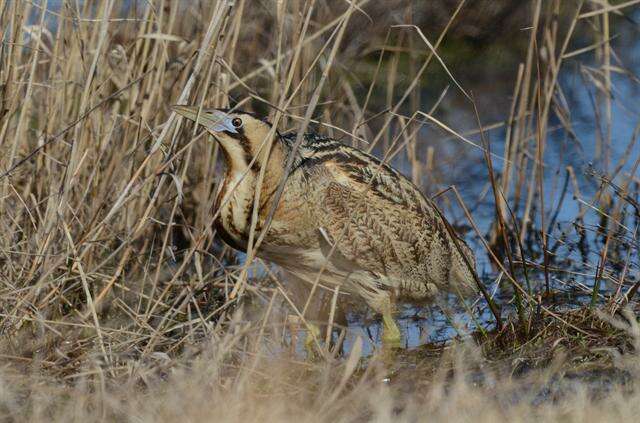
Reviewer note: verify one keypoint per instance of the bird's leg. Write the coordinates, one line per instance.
(382, 301)
(311, 340)
(391, 336)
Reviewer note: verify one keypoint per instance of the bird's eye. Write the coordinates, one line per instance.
(236, 122)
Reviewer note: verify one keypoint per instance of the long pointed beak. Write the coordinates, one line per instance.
(212, 119)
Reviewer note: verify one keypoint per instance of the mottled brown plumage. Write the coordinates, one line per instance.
(344, 217)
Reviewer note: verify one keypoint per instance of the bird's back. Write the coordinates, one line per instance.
(365, 216)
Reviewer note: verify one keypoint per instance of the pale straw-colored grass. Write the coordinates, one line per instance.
(118, 301)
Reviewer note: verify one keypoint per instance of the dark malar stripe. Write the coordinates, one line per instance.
(246, 147)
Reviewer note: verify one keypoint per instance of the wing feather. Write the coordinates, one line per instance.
(374, 220)
(369, 231)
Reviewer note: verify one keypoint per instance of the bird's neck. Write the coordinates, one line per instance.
(237, 195)
(242, 162)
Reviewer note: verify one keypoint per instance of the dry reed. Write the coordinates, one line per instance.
(117, 300)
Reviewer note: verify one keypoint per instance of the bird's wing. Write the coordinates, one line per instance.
(375, 220)
(362, 231)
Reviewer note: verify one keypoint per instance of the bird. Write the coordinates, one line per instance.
(343, 219)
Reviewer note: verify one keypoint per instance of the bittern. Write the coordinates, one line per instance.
(343, 217)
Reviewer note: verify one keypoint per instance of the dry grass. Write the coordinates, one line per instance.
(210, 387)
(118, 302)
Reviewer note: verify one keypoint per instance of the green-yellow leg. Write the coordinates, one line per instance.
(391, 337)
(313, 336)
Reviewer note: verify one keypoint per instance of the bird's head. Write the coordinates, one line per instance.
(241, 134)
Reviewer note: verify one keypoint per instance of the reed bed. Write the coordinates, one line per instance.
(118, 301)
